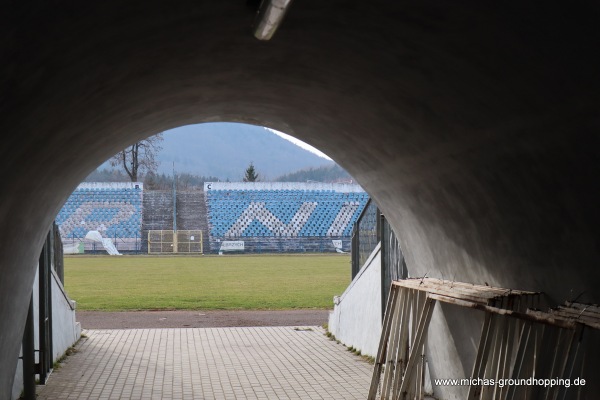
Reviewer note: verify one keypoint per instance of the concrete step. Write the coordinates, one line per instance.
(191, 213)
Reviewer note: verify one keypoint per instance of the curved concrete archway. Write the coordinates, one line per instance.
(474, 126)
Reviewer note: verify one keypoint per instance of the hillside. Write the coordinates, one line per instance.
(327, 173)
(225, 150)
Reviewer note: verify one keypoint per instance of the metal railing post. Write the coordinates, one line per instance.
(385, 264)
(29, 355)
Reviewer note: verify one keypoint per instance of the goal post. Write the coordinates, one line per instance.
(175, 242)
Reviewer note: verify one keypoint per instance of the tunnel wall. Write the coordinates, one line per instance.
(473, 125)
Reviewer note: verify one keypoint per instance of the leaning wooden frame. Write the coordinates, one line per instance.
(513, 335)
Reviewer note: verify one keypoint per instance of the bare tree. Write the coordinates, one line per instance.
(139, 158)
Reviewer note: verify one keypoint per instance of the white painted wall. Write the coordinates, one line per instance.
(356, 318)
(65, 330)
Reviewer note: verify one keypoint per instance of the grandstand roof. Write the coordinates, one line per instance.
(111, 185)
(335, 187)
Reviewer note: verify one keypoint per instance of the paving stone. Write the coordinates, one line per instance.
(209, 363)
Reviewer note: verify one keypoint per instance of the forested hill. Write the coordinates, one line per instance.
(327, 174)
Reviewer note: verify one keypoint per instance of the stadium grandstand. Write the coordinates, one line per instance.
(113, 209)
(260, 217)
(282, 217)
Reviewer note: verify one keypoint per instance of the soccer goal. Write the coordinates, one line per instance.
(171, 242)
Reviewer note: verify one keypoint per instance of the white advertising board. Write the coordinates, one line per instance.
(231, 245)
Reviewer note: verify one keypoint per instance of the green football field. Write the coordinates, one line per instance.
(206, 282)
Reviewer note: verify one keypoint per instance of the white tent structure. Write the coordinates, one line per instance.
(108, 245)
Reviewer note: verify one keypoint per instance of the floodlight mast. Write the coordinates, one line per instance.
(174, 200)
(174, 210)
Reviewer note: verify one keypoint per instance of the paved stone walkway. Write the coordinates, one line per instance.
(209, 363)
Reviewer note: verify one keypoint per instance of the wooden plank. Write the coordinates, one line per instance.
(420, 381)
(398, 342)
(406, 338)
(392, 348)
(458, 291)
(584, 319)
(436, 284)
(570, 361)
(421, 283)
(456, 294)
(592, 308)
(577, 313)
(561, 365)
(544, 360)
(415, 313)
(536, 367)
(516, 292)
(482, 354)
(532, 360)
(418, 342)
(535, 316)
(415, 388)
(580, 388)
(521, 358)
(487, 392)
(527, 369)
(504, 333)
(519, 365)
(590, 319)
(387, 321)
(478, 294)
(409, 309)
(593, 325)
(423, 369)
(508, 355)
(562, 340)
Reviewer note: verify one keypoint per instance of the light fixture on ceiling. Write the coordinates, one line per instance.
(270, 15)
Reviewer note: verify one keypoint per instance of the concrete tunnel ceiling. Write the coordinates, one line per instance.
(474, 126)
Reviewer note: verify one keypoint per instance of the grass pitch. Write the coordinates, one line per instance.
(206, 283)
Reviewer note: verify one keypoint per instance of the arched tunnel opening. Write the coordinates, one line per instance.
(472, 125)
(170, 209)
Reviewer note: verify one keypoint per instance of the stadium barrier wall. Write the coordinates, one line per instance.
(123, 245)
(65, 330)
(357, 314)
(283, 244)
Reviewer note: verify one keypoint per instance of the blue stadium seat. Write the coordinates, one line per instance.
(99, 207)
(333, 214)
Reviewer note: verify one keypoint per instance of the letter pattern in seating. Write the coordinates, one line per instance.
(283, 213)
(114, 212)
